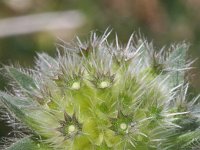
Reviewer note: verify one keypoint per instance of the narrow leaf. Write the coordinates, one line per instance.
(21, 78)
(28, 144)
(25, 110)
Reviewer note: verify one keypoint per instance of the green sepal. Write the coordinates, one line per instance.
(28, 144)
(82, 103)
(91, 129)
(83, 143)
(111, 139)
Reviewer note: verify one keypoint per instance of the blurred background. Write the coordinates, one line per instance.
(31, 26)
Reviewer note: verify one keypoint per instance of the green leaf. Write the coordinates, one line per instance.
(189, 139)
(27, 111)
(21, 78)
(177, 62)
(177, 56)
(47, 64)
(28, 144)
(16, 105)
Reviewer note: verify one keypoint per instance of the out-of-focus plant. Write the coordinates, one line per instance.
(97, 95)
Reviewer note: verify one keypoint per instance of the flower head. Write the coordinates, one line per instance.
(98, 95)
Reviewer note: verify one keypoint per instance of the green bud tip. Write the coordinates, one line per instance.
(123, 126)
(104, 84)
(71, 128)
(76, 86)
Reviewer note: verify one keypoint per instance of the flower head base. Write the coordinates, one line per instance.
(111, 97)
